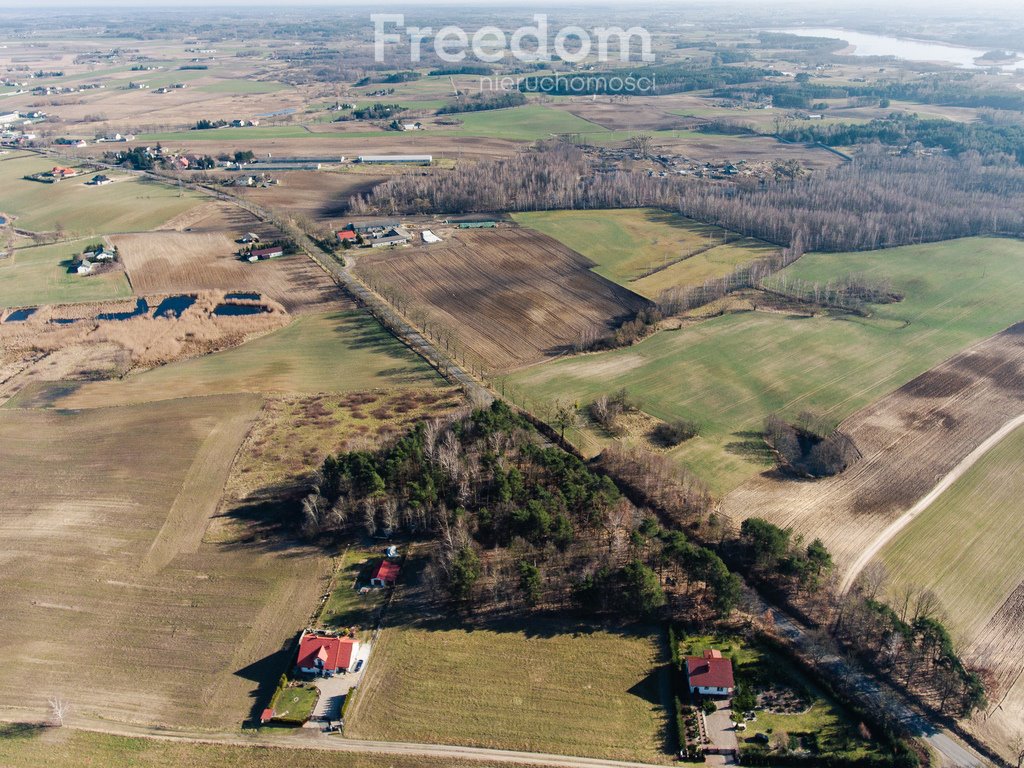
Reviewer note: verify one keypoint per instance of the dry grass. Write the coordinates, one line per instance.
(511, 296)
(334, 352)
(539, 686)
(25, 746)
(118, 604)
(295, 434)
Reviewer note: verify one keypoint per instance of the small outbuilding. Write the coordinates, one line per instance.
(385, 574)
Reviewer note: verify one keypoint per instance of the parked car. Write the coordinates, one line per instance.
(359, 665)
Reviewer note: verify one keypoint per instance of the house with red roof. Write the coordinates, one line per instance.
(320, 654)
(710, 674)
(348, 234)
(384, 574)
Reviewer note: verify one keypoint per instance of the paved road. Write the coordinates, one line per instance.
(907, 517)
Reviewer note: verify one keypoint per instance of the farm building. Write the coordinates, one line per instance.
(396, 236)
(99, 180)
(385, 574)
(710, 674)
(396, 159)
(250, 237)
(84, 268)
(347, 234)
(320, 654)
(372, 227)
(267, 253)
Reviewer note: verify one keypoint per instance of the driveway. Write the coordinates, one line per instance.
(721, 729)
(333, 690)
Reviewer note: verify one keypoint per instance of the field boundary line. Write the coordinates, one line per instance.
(930, 498)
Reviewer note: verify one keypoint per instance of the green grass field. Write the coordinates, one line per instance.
(527, 123)
(25, 746)
(626, 244)
(537, 686)
(129, 205)
(40, 276)
(965, 547)
(336, 352)
(729, 372)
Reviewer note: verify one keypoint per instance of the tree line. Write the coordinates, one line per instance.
(878, 200)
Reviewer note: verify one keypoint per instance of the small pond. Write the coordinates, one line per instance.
(242, 296)
(141, 308)
(174, 306)
(20, 315)
(230, 310)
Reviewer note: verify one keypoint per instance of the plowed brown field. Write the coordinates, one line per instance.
(513, 297)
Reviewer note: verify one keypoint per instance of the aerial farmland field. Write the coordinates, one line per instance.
(648, 250)
(128, 205)
(964, 547)
(332, 352)
(40, 275)
(179, 262)
(729, 372)
(511, 296)
(541, 687)
(909, 441)
(122, 607)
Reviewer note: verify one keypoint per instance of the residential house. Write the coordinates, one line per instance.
(59, 172)
(348, 234)
(384, 574)
(99, 180)
(84, 267)
(322, 654)
(250, 237)
(710, 674)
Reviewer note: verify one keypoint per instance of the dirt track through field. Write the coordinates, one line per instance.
(910, 441)
(907, 517)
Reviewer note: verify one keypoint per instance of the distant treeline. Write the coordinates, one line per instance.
(876, 201)
(480, 102)
(903, 130)
(953, 89)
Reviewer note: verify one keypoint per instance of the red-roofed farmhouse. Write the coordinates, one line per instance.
(321, 653)
(385, 574)
(710, 674)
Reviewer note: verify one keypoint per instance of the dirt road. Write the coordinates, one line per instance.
(907, 517)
